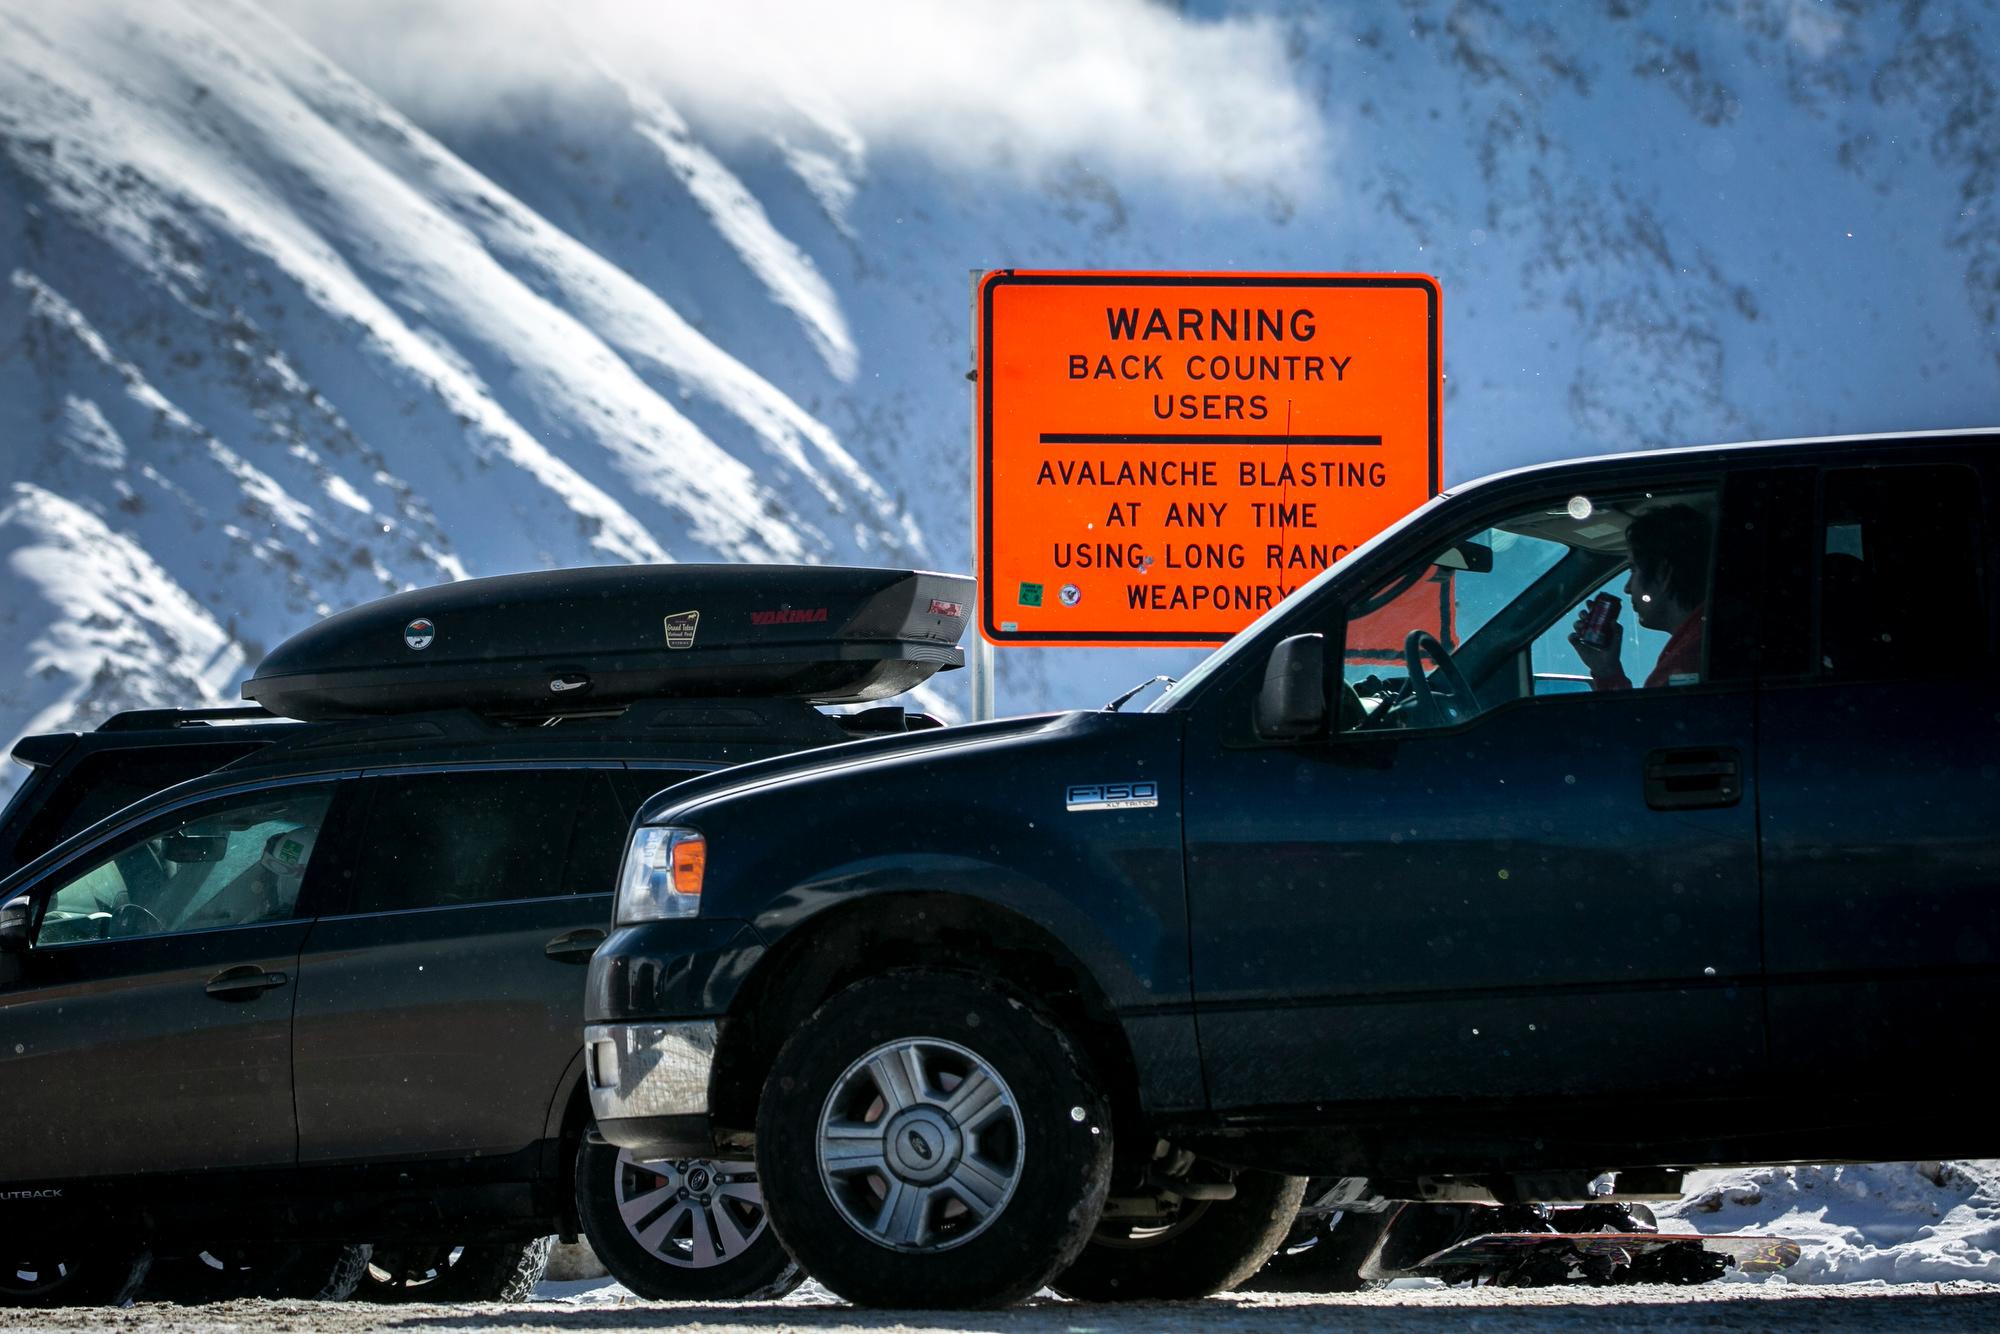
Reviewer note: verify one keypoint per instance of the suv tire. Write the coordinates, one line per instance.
(929, 1140)
(1213, 1246)
(641, 1221)
(311, 1273)
(35, 1275)
(490, 1271)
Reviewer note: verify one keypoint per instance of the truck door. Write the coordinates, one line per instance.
(1529, 891)
(1881, 779)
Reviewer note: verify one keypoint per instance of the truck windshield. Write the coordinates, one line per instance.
(1192, 681)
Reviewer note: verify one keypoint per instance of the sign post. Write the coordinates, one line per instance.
(1163, 457)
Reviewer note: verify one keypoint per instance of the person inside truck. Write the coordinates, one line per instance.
(1668, 589)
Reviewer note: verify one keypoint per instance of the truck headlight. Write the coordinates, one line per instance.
(662, 874)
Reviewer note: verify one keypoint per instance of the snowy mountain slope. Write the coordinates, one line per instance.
(309, 302)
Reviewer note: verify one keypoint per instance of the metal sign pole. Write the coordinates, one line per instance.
(980, 654)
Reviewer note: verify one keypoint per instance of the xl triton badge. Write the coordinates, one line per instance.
(1112, 796)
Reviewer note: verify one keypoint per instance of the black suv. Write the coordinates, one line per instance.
(1567, 827)
(329, 986)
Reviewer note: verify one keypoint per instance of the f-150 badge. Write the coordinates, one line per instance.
(1112, 796)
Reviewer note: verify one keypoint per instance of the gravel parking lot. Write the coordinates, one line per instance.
(1739, 1306)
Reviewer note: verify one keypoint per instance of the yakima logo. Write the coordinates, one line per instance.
(52, 1193)
(789, 616)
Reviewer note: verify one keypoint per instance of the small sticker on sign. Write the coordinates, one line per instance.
(1070, 595)
(1031, 595)
(681, 627)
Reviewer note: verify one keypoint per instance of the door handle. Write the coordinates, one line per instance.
(575, 946)
(242, 983)
(1692, 778)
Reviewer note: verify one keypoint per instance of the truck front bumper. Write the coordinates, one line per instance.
(649, 1085)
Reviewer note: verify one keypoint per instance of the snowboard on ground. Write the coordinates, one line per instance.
(1525, 1258)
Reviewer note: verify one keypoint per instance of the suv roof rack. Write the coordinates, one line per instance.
(148, 720)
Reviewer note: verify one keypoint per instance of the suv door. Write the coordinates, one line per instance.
(1881, 795)
(148, 1027)
(440, 1006)
(1523, 894)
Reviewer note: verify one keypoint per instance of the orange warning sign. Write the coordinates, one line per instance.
(1165, 456)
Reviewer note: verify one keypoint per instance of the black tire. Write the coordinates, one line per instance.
(658, 1254)
(1323, 1254)
(310, 1273)
(489, 1271)
(39, 1273)
(1025, 1169)
(1209, 1247)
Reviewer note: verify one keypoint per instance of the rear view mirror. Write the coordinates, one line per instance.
(17, 926)
(183, 848)
(1472, 557)
(1292, 702)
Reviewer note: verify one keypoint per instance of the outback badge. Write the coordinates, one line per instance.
(1111, 796)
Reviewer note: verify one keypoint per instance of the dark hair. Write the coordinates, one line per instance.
(1679, 536)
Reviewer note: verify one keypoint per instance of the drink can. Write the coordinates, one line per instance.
(1598, 619)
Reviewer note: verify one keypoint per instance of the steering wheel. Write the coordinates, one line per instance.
(1437, 707)
(133, 919)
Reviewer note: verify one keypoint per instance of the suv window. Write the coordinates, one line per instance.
(230, 863)
(1506, 604)
(609, 802)
(445, 839)
(1900, 587)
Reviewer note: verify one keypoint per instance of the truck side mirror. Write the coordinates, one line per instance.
(1292, 701)
(17, 926)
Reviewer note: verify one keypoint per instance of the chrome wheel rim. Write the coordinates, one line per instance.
(691, 1213)
(920, 1145)
(33, 1274)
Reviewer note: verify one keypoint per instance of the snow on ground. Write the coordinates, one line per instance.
(1896, 1222)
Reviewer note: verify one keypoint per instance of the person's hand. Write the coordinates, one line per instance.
(1601, 660)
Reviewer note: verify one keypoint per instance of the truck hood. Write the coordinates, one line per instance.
(851, 756)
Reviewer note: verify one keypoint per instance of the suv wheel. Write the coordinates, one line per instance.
(928, 1140)
(96, 1273)
(492, 1271)
(690, 1229)
(1202, 1247)
(314, 1273)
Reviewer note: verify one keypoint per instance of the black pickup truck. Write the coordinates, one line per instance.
(1447, 880)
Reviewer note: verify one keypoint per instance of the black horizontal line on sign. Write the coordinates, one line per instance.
(1157, 438)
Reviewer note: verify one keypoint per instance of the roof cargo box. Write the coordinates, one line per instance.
(572, 641)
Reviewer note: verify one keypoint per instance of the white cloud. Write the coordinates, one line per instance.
(971, 84)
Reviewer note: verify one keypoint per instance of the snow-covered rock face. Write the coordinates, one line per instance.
(302, 303)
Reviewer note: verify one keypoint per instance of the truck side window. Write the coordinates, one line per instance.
(1900, 587)
(1602, 593)
(441, 840)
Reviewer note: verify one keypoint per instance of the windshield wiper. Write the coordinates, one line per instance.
(1118, 703)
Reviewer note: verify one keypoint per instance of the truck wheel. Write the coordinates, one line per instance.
(1204, 1247)
(317, 1273)
(95, 1273)
(1323, 1254)
(691, 1229)
(927, 1140)
(491, 1271)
